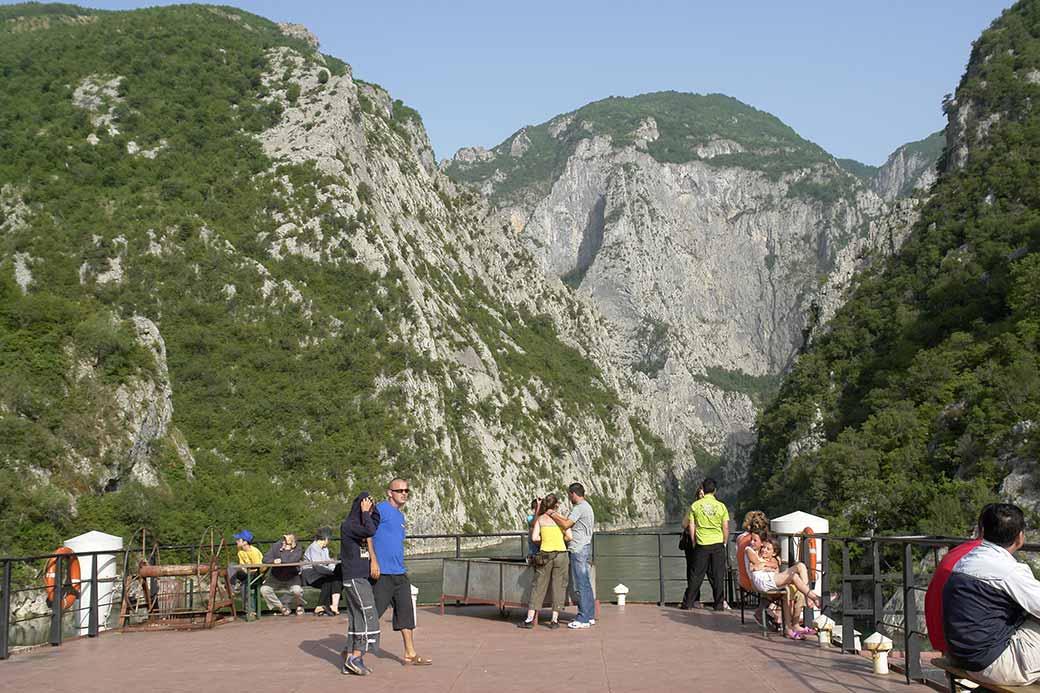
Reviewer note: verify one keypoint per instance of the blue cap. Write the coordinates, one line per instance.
(244, 535)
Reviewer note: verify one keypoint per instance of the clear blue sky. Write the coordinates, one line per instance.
(858, 78)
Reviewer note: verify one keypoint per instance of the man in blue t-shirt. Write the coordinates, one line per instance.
(391, 585)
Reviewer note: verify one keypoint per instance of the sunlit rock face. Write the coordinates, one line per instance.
(713, 240)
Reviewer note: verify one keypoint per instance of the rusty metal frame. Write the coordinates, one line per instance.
(164, 608)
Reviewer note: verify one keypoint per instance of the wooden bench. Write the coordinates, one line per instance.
(258, 571)
(953, 673)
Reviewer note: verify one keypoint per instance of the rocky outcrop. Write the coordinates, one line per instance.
(146, 405)
(910, 168)
(299, 31)
(129, 419)
(1021, 485)
(99, 96)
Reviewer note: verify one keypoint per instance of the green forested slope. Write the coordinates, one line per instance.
(191, 84)
(925, 392)
(287, 373)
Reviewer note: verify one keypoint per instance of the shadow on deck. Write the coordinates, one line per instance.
(637, 648)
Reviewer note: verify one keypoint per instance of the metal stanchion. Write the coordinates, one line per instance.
(92, 619)
(825, 576)
(660, 570)
(912, 648)
(848, 631)
(5, 610)
(807, 610)
(59, 597)
(878, 596)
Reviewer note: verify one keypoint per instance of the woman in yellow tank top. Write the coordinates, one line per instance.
(552, 538)
(551, 563)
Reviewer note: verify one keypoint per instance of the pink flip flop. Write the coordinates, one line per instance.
(794, 635)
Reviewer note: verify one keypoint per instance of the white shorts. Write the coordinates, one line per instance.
(764, 580)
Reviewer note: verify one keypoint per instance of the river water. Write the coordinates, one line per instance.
(619, 558)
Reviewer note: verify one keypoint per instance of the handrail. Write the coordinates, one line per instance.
(916, 540)
(874, 547)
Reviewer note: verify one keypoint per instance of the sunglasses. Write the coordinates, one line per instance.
(400, 490)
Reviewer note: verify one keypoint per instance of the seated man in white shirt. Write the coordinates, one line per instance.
(991, 604)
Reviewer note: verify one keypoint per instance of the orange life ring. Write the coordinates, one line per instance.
(811, 541)
(70, 587)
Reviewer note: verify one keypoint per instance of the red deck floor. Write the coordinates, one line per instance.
(638, 648)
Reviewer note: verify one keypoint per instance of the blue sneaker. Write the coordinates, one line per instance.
(354, 665)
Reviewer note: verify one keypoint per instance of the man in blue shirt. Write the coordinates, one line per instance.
(391, 581)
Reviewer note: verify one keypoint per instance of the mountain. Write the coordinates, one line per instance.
(714, 240)
(920, 402)
(235, 291)
(911, 169)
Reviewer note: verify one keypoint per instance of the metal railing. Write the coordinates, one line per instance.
(188, 552)
(865, 573)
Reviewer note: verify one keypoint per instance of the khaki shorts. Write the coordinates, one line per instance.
(1019, 664)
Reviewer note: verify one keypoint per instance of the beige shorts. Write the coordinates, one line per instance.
(1019, 664)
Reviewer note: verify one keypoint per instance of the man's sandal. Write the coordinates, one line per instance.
(417, 661)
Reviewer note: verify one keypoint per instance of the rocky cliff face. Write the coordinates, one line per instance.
(910, 168)
(514, 426)
(712, 239)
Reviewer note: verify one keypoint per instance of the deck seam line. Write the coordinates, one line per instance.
(469, 663)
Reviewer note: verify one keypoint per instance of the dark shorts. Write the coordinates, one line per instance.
(396, 591)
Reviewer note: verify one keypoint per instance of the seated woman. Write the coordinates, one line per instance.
(551, 563)
(327, 577)
(763, 557)
(756, 521)
(757, 525)
(283, 578)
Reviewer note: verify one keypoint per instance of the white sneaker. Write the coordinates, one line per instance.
(592, 621)
(575, 625)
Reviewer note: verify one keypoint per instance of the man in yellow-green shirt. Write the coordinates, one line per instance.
(708, 525)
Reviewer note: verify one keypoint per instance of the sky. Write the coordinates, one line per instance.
(857, 78)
